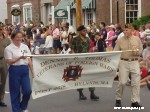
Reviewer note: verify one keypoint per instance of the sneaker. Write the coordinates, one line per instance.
(24, 110)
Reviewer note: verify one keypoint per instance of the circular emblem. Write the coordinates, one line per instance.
(16, 12)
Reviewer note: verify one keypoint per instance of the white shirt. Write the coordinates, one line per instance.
(107, 36)
(65, 52)
(146, 52)
(71, 29)
(26, 25)
(65, 34)
(38, 31)
(56, 32)
(13, 51)
(37, 51)
(48, 42)
(142, 35)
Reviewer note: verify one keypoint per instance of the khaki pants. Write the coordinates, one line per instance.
(126, 68)
(3, 77)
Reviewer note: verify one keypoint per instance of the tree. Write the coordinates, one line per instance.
(142, 21)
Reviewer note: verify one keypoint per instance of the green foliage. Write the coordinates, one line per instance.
(142, 21)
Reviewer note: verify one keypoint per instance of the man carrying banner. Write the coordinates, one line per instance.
(4, 42)
(81, 44)
(132, 48)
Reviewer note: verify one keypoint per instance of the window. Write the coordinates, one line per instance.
(89, 16)
(131, 10)
(15, 19)
(27, 12)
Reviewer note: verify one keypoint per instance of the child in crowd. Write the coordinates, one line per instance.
(146, 55)
(49, 43)
(37, 48)
(66, 49)
(145, 81)
(142, 36)
(144, 70)
(110, 36)
(92, 43)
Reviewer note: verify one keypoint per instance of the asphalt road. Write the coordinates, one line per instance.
(68, 101)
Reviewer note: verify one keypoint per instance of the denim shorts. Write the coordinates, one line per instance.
(49, 49)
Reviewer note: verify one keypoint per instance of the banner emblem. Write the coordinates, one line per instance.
(72, 73)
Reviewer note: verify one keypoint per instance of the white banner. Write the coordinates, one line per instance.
(56, 73)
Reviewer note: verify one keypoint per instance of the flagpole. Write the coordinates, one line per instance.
(78, 13)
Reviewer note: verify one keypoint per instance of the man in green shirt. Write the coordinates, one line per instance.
(81, 44)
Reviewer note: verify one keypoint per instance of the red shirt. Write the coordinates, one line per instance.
(144, 72)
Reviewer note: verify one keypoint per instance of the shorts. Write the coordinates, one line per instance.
(57, 44)
(49, 49)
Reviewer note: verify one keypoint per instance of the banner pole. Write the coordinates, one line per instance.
(81, 53)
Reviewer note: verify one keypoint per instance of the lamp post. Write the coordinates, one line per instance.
(78, 13)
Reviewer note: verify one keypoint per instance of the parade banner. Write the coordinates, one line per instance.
(56, 73)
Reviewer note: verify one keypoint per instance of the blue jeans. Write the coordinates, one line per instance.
(19, 82)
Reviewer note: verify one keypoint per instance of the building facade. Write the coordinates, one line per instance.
(88, 11)
(47, 9)
(30, 11)
(121, 11)
(3, 11)
(109, 11)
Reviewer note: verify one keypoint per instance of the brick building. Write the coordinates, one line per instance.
(34, 10)
(121, 11)
(3, 11)
(109, 11)
(30, 10)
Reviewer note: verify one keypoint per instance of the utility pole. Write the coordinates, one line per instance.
(78, 13)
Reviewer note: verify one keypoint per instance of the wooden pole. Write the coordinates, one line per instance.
(78, 13)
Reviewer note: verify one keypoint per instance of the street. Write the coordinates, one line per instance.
(68, 101)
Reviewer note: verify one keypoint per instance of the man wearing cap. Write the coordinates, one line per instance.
(129, 65)
(81, 44)
(4, 42)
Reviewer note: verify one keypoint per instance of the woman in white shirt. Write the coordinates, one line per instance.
(19, 82)
(64, 36)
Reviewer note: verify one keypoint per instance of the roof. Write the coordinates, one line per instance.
(63, 4)
(86, 4)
